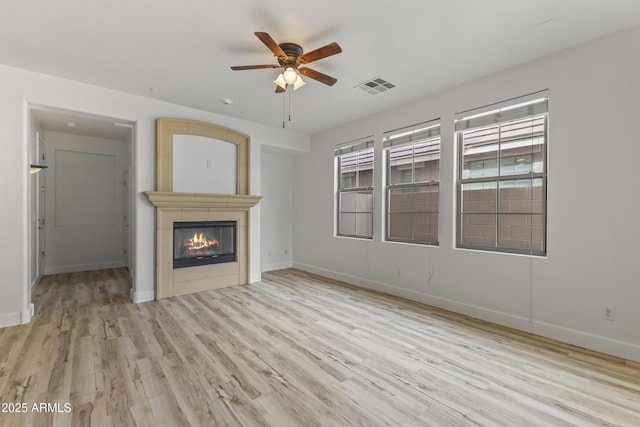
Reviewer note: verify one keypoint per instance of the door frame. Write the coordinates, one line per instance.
(30, 149)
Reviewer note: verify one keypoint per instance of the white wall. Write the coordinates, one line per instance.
(84, 213)
(204, 165)
(276, 210)
(20, 89)
(593, 232)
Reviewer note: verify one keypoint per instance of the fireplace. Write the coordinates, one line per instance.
(180, 206)
(203, 242)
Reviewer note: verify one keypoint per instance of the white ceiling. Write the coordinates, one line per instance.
(181, 50)
(82, 124)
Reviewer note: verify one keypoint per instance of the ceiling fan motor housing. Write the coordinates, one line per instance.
(292, 50)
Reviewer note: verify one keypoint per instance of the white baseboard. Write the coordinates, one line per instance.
(27, 314)
(276, 266)
(255, 277)
(623, 349)
(600, 343)
(489, 315)
(10, 319)
(142, 296)
(82, 267)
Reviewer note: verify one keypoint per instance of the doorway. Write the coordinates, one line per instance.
(80, 206)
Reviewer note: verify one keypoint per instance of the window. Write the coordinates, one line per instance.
(354, 165)
(503, 177)
(489, 167)
(413, 183)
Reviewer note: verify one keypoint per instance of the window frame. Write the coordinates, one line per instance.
(339, 152)
(498, 178)
(410, 137)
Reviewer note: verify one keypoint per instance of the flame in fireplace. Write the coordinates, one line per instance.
(199, 241)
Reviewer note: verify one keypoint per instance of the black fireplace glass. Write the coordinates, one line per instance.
(203, 242)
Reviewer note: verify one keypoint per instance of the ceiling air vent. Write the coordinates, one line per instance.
(375, 85)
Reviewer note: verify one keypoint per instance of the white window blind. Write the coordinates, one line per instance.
(411, 134)
(353, 146)
(539, 104)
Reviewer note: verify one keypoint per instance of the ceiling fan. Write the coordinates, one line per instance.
(290, 57)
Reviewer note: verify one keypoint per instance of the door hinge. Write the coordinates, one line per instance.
(42, 253)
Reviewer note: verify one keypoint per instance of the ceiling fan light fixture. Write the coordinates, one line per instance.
(298, 83)
(280, 81)
(290, 74)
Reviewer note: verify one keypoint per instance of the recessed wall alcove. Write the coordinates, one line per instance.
(181, 206)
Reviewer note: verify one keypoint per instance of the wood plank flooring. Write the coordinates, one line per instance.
(292, 350)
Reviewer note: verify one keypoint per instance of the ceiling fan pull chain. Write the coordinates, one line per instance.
(289, 106)
(283, 112)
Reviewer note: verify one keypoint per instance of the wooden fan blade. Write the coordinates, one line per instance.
(317, 75)
(254, 67)
(271, 44)
(323, 52)
(279, 89)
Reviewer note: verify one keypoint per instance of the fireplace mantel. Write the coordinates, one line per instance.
(165, 199)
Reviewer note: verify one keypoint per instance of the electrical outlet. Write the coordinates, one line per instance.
(609, 313)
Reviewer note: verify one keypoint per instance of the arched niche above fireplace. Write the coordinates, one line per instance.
(204, 165)
(176, 131)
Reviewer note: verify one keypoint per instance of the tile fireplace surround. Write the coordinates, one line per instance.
(180, 207)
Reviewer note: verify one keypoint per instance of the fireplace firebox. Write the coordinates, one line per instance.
(203, 242)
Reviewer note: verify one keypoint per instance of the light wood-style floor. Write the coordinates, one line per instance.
(292, 350)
